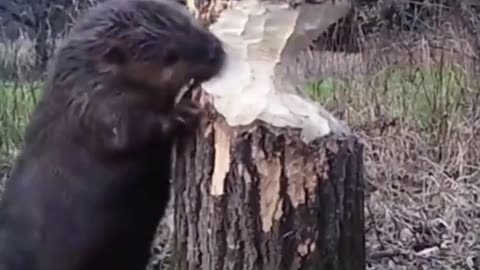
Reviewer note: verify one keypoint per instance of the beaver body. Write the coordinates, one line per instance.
(92, 180)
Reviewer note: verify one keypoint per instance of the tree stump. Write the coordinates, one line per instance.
(270, 180)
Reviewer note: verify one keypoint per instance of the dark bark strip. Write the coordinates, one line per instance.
(257, 197)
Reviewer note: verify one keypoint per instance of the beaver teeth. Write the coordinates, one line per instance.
(185, 90)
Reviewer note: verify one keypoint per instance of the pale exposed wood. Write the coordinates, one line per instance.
(259, 82)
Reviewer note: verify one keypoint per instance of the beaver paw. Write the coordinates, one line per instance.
(186, 116)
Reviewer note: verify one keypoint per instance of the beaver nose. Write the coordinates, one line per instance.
(216, 53)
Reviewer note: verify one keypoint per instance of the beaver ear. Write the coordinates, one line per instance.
(115, 55)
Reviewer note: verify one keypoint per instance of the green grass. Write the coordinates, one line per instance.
(16, 104)
(419, 95)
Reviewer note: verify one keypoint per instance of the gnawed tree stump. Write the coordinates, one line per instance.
(271, 179)
(258, 197)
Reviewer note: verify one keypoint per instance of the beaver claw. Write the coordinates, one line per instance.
(186, 116)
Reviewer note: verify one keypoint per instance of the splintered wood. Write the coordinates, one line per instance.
(258, 197)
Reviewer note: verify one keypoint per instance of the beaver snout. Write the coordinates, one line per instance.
(209, 62)
(216, 53)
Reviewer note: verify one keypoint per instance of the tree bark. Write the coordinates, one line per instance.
(258, 197)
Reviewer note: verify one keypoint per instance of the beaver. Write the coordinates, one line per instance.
(92, 179)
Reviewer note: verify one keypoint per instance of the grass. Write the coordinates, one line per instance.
(16, 103)
(418, 95)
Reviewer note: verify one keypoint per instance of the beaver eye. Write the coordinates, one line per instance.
(170, 57)
(115, 55)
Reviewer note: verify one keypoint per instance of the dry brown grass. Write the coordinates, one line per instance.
(17, 56)
(422, 212)
(417, 115)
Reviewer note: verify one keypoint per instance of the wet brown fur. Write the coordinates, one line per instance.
(92, 180)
